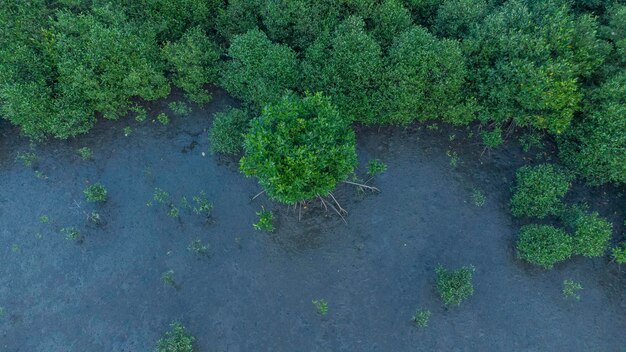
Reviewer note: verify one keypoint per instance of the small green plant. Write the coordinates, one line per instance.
(173, 211)
(198, 247)
(375, 167)
(160, 196)
(227, 133)
(321, 306)
(265, 223)
(454, 157)
(85, 153)
(40, 175)
(592, 235)
(95, 218)
(15, 248)
(163, 118)
(142, 114)
(492, 139)
(543, 245)
(71, 233)
(421, 318)
(184, 203)
(96, 193)
(26, 158)
(168, 277)
(176, 340)
(179, 108)
(127, 131)
(539, 191)
(454, 286)
(433, 127)
(44, 219)
(478, 197)
(202, 206)
(618, 253)
(571, 289)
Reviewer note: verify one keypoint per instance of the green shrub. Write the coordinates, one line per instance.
(299, 148)
(455, 286)
(177, 339)
(543, 245)
(163, 119)
(456, 18)
(194, 63)
(266, 221)
(85, 153)
(321, 306)
(478, 197)
(389, 19)
(592, 235)
(421, 318)
(259, 71)
(229, 127)
(96, 193)
(571, 289)
(539, 191)
(179, 108)
(492, 139)
(619, 253)
(375, 167)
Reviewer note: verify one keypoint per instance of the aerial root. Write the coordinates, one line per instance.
(363, 186)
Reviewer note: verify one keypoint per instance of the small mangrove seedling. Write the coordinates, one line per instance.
(163, 119)
(266, 219)
(40, 175)
(26, 158)
(454, 157)
(127, 131)
(321, 306)
(168, 278)
(173, 211)
(433, 127)
(179, 108)
(421, 318)
(202, 206)
(198, 247)
(44, 219)
(15, 248)
(571, 289)
(619, 254)
(85, 153)
(71, 233)
(478, 197)
(160, 196)
(142, 114)
(454, 286)
(176, 340)
(95, 218)
(375, 167)
(96, 193)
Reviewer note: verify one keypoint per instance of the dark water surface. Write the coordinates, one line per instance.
(253, 291)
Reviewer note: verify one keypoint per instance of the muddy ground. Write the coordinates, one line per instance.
(252, 291)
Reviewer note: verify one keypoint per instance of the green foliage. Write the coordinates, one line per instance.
(198, 247)
(299, 148)
(527, 58)
(321, 306)
(347, 66)
(389, 19)
(128, 131)
(96, 193)
(571, 289)
(492, 139)
(161, 196)
(202, 206)
(193, 61)
(238, 17)
(375, 167)
(177, 339)
(539, 191)
(266, 221)
(543, 245)
(85, 153)
(168, 278)
(596, 145)
(229, 127)
(179, 108)
(455, 286)
(44, 219)
(456, 18)
(478, 197)
(423, 74)
(259, 71)
(26, 158)
(592, 235)
(163, 119)
(421, 318)
(619, 253)
(71, 233)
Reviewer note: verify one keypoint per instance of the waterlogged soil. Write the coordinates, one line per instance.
(252, 291)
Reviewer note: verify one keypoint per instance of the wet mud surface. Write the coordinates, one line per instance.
(252, 291)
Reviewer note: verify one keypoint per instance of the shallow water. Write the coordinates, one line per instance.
(253, 291)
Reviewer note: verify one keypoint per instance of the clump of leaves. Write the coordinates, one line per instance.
(85, 153)
(571, 289)
(160, 196)
(543, 245)
(299, 148)
(95, 218)
(454, 286)
(173, 211)
(127, 131)
(44, 219)
(619, 253)
(592, 235)
(321, 306)
(421, 318)
(478, 197)
(539, 191)
(202, 205)
(168, 277)
(454, 157)
(530, 140)
(176, 340)
(375, 167)
(198, 247)
(71, 233)
(163, 118)
(492, 139)
(40, 175)
(142, 114)
(96, 193)
(26, 158)
(179, 108)
(227, 133)
(266, 221)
